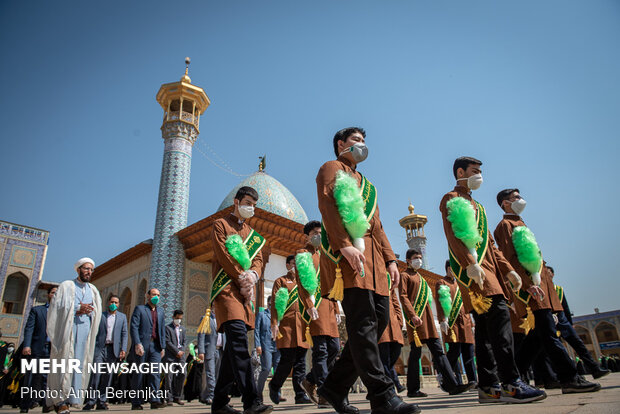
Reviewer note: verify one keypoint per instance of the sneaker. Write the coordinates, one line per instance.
(258, 408)
(490, 395)
(579, 384)
(518, 392)
(417, 394)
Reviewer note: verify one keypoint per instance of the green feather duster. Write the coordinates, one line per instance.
(306, 272)
(280, 302)
(527, 249)
(463, 218)
(444, 299)
(236, 248)
(350, 205)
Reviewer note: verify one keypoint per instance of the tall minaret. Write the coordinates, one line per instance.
(183, 103)
(414, 226)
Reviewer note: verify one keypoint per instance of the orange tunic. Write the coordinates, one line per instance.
(394, 330)
(328, 309)
(292, 327)
(378, 250)
(463, 326)
(503, 235)
(409, 286)
(494, 264)
(230, 304)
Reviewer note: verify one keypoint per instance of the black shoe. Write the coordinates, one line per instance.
(395, 406)
(178, 401)
(259, 408)
(274, 395)
(400, 388)
(303, 400)
(341, 405)
(552, 385)
(136, 407)
(156, 405)
(88, 407)
(417, 394)
(227, 409)
(600, 372)
(472, 385)
(459, 389)
(208, 401)
(580, 385)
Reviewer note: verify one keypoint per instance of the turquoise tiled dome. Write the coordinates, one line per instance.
(272, 197)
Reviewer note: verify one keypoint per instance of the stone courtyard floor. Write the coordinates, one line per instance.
(607, 400)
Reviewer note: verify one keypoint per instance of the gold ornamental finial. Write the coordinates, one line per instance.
(410, 207)
(185, 77)
(262, 164)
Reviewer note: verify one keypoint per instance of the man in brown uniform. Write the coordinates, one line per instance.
(289, 336)
(391, 342)
(232, 294)
(415, 296)
(479, 278)
(365, 277)
(541, 298)
(322, 315)
(457, 328)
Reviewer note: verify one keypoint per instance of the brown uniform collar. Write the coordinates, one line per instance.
(347, 162)
(462, 190)
(512, 216)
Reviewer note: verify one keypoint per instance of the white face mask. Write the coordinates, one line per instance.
(177, 322)
(518, 206)
(315, 240)
(246, 211)
(359, 151)
(10, 350)
(416, 263)
(474, 182)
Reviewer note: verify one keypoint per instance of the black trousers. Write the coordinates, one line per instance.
(543, 372)
(390, 351)
(440, 361)
(295, 359)
(324, 353)
(543, 336)
(457, 349)
(235, 367)
(570, 336)
(494, 347)
(35, 381)
(367, 316)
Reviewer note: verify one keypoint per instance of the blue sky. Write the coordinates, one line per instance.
(531, 88)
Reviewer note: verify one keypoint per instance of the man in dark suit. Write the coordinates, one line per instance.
(175, 352)
(36, 344)
(110, 346)
(208, 353)
(148, 343)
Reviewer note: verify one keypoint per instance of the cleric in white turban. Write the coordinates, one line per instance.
(72, 325)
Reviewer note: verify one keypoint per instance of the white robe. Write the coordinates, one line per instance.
(60, 331)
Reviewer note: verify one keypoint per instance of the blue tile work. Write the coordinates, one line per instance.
(168, 256)
(272, 196)
(16, 236)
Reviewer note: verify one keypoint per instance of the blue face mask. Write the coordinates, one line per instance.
(155, 300)
(112, 307)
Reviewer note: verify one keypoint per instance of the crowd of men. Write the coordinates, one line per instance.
(497, 315)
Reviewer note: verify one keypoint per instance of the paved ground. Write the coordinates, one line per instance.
(605, 401)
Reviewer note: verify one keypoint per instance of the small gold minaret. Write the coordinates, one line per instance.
(414, 226)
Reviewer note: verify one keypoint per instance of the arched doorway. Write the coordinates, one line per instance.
(125, 302)
(140, 300)
(15, 292)
(606, 332)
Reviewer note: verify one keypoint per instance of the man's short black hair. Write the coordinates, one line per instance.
(246, 191)
(412, 252)
(148, 292)
(311, 225)
(114, 296)
(447, 265)
(289, 258)
(505, 195)
(345, 133)
(177, 313)
(551, 268)
(464, 162)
